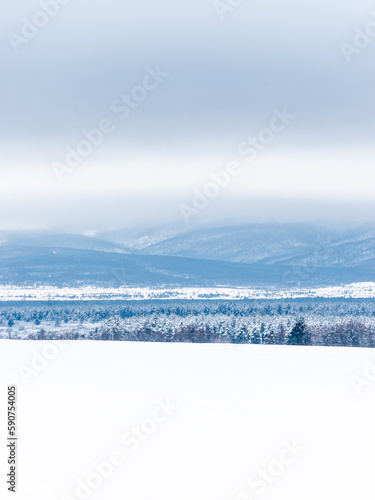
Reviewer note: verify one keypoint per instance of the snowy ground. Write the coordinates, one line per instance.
(190, 422)
(11, 293)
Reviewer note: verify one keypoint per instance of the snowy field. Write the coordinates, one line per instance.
(115, 421)
(15, 293)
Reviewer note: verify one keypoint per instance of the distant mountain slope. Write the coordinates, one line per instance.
(348, 254)
(138, 238)
(48, 239)
(247, 255)
(287, 244)
(246, 243)
(21, 265)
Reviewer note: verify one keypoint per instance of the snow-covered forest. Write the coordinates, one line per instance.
(331, 322)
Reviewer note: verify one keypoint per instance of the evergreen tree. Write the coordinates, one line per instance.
(42, 334)
(255, 337)
(299, 334)
(241, 335)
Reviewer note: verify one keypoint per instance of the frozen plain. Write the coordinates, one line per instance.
(190, 422)
(361, 290)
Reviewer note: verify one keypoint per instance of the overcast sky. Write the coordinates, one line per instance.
(216, 77)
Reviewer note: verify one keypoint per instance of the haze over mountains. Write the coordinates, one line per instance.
(238, 255)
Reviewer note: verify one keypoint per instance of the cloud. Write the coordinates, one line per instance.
(225, 77)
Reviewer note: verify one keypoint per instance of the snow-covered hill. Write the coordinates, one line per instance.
(111, 421)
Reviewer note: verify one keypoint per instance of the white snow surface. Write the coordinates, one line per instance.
(14, 293)
(237, 407)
